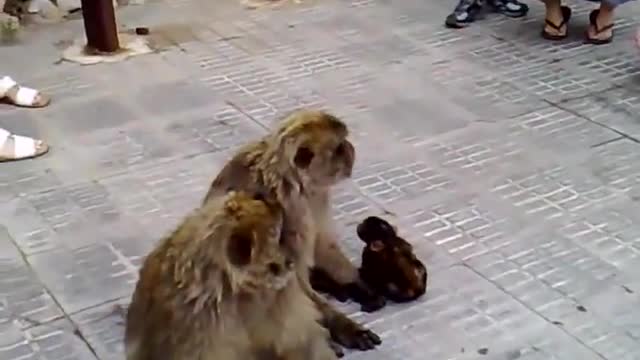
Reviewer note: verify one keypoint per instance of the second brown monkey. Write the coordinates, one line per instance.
(223, 286)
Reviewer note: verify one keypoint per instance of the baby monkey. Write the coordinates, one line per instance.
(223, 287)
(388, 263)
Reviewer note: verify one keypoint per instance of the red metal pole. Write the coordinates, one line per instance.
(100, 25)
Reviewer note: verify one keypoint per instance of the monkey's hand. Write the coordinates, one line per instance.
(362, 294)
(349, 334)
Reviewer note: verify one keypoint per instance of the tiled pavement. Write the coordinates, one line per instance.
(508, 161)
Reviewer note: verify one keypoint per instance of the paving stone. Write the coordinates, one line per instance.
(174, 96)
(553, 192)
(482, 152)
(22, 179)
(65, 84)
(84, 277)
(507, 56)
(615, 109)
(159, 197)
(18, 121)
(217, 129)
(24, 302)
(466, 318)
(411, 119)
(498, 95)
(99, 113)
(391, 181)
(32, 233)
(509, 163)
(608, 234)
(109, 151)
(57, 340)
(103, 328)
(615, 164)
(562, 130)
(618, 66)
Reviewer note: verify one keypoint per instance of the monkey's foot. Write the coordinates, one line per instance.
(368, 299)
(351, 335)
(321, 282)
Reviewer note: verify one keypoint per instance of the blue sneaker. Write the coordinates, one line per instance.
(510, 8)
(464, 14)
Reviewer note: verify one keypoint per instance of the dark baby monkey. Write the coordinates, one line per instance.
(223, 287)
(388, 263)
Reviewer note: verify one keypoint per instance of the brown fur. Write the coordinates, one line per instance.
(223, 287)
(297, 164)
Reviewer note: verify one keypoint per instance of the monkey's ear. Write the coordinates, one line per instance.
(239, 249)
(376, 246)
(303, 157)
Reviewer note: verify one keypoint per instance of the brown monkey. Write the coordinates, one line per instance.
(297, 164)
(223, 287)
(388, 263)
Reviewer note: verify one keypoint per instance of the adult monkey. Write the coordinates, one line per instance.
(222, 286)
(297, 164)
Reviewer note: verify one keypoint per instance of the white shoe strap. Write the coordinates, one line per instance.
(4, 135)
(34, 6)
(26, 96)
(6, 83)
(23, 146)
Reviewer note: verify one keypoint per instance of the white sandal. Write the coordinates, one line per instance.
(16, 147)
(22, 96)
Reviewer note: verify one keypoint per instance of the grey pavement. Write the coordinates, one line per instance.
(511, 163)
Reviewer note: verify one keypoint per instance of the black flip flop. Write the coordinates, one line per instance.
(566, 16)
(593, 17)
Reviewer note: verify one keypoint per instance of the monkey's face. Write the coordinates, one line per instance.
(325, 160)
(255, 250)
